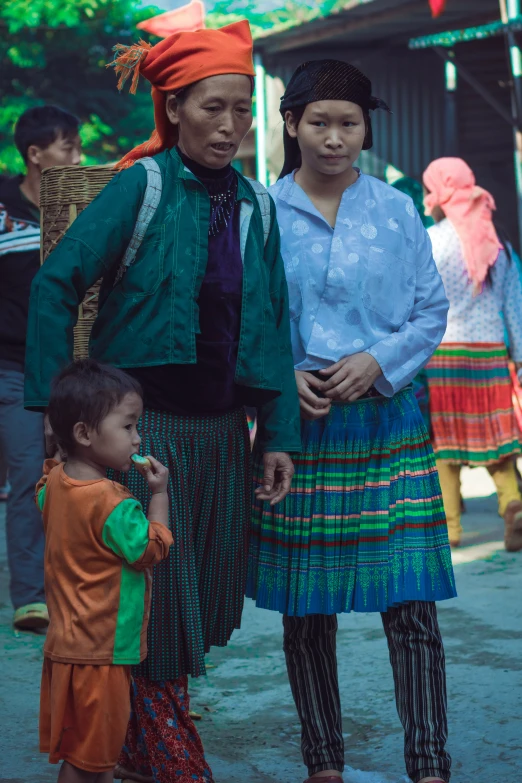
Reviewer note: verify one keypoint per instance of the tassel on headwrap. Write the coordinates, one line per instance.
(129, 62)
(177, 62)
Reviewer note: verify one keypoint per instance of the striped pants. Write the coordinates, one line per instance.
(417, 659)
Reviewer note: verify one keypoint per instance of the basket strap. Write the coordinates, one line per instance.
(263, 199)
(151, 199)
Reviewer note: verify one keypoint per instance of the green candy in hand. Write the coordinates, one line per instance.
(141, 461)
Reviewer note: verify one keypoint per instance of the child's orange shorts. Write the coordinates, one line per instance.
(84, 712)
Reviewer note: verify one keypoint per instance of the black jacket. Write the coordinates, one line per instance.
(19, 262)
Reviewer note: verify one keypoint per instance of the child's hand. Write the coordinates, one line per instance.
(52, 448)
(157, 475)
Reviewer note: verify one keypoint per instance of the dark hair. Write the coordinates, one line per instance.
(291, 147)
(504, 238)
(508, 249)
(41, 126)
(182, 95)
(86, 391)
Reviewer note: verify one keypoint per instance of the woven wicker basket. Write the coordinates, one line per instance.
(64, 192)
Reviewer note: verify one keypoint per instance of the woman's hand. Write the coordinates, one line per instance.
(277, 477)
(350, 377)
(312, 406)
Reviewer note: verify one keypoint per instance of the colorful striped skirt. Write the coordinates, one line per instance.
(363, 527)
(197, 593)
(471, 408)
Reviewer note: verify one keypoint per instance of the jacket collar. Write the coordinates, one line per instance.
(294, 195)
(17, 205)
(180, 171)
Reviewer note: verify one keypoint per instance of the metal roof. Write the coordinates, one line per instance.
(379, 22)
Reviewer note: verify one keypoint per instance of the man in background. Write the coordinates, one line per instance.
(45, 136)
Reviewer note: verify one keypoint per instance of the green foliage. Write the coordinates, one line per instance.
(55, 51)
(289, 14)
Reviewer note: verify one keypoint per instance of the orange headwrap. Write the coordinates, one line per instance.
(178, 61)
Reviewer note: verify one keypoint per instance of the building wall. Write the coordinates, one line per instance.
(485, 140)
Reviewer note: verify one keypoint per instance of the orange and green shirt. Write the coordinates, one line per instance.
(99, 547)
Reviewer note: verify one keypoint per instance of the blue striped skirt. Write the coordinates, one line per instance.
(363, 527)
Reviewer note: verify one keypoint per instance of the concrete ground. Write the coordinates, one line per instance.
(249, 724)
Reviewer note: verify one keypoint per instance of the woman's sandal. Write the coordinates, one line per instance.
(31, 617)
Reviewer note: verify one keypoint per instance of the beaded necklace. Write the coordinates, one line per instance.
(221, 186)
(221, 208)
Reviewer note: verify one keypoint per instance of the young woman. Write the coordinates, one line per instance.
(471, 406)
(201, 320)
(363, 527)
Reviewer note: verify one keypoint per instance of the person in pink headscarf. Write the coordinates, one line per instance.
(471, 409)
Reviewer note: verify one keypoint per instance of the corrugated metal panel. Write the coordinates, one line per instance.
(485, 139)
(414, 88)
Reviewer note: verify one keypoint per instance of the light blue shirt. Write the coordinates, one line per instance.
(369, 284)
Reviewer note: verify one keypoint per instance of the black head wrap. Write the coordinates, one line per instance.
(326, 80)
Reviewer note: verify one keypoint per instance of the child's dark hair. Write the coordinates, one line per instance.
(86, 391)
(42, 125)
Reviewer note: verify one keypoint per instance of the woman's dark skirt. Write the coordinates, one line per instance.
(197, 593)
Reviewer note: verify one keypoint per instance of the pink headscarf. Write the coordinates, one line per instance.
(469, 208)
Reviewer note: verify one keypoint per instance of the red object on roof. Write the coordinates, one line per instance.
(186, 19)
(437, 7)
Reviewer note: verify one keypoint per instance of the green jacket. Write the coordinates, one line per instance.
(151, 316)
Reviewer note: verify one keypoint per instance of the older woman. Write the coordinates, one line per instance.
(201, 319)
(363, 528)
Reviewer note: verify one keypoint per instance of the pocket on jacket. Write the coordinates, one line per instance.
(388, 286)
(143, 277)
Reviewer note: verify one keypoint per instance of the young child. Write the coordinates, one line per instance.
(99, 547)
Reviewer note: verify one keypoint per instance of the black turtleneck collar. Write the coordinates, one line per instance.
(202, 172)
(221, 186)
